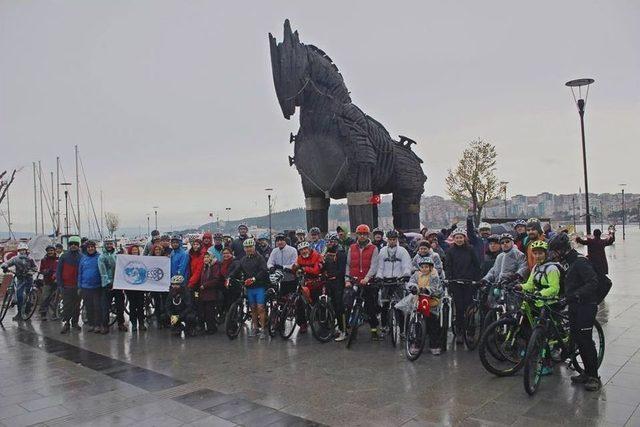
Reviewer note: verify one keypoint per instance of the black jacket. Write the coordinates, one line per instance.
(581, 280)
(462, 263)
(237, 246)
(335, 268)
(252, 266)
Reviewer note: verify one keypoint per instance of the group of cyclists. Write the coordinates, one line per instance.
(211, 273)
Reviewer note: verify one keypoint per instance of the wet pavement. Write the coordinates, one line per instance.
(155, 379)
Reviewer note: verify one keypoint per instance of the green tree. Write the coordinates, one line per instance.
(473, 183)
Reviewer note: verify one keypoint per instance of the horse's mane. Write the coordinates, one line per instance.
(326, 76)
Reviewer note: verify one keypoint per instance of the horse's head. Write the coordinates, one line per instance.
(290, 66)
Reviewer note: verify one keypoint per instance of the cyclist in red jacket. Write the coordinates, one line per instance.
(309, 262)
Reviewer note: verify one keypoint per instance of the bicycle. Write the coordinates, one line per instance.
(10, 299)
(474, 316)
(239, 311)
(446, 313)
(551, 330)
(273, 303)
(322, 317)
(31, 298)
(393, 290)
(416, 328)
(358, 315)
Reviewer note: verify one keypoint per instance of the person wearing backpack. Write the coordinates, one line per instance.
(582, 294)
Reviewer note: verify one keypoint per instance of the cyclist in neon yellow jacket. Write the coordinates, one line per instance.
(545, 276)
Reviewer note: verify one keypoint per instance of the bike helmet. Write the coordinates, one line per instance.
(495, 238)
(425, 261)
(177, 279)
(540, 244)
(484, 226)
(90, 243)
(392, 234)
(217, 235)
(519, 222)
(333, 236)
(280, 236)
(459, 231)
(363, 229)
(303, 245)
(249, 242)
(560, 243)
(301, 231)
(22, 246)
(74, 240)
(264, 236)
(109, 240)
(506, 236)
(314, 230)
(176, 238)
(243, 225)
(378, 231)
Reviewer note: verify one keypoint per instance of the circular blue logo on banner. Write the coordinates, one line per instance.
(135, 273)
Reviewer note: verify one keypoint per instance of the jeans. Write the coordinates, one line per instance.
(581, 320)
(48, 292)
(71, 305)
(22, 285)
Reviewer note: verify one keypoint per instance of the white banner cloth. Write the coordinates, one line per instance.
(142, 273)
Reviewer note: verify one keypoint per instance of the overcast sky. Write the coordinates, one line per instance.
(172, 102)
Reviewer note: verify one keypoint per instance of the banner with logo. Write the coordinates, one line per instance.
(142, 273)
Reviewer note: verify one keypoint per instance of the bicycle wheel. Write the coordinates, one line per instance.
(534, 360)
(323, 321)
(84, 314)
(273, 321)
(126, 304)
(112, 313)
(30, 303)
(6, 302)
(472, 326)
(149, 306)
(354, 323)
(235, 319)
(502, 347)
(416, 329)
(394, 325)
(598, 339)
(287, 322)
(444, 338)
(54, 310)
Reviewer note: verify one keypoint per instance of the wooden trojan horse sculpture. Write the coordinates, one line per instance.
(339, 150)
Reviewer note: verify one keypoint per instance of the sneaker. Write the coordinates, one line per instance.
(303, 329)
(104, 330)
(261, 335)
(546, 370)
(97, 330)
(17, 318)
(593, 384)
(43, 317)
(253, 332)
(341, 337)
(435, 351)
(123, 328)
(65, 328)
(143, 327)
(459, 339)
(76, 327)
(90, 329)
(579, 379)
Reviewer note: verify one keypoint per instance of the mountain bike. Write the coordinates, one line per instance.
(274, 305)
(392, 291)
(322, 317)
(238, 312)
(551, 333)
(474, 316)
(10, 299)
(446, 313)
(358, 316)
(416, 328)
(31, 297)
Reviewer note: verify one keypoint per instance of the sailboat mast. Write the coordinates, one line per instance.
(57, 196)
(35, 197)
(41, 197)
(101, 212)
(78, 193)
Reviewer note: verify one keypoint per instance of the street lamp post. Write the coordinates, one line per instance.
(155, 212)
(504, 187)
(269, 190)
(624, 235)
(580, 102)
(601, 215)
(66, 206)
(148, 224)
(228, 213)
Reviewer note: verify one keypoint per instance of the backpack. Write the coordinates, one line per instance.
(563, 273)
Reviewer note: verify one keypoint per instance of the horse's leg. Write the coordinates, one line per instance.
(406, 211)
(361, 210)
(317, 209)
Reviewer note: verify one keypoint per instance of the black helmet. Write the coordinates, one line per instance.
(280, 236)
(379, 232)
(392, 234)
(559, 246)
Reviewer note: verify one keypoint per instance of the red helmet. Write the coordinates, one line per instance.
(363, 228)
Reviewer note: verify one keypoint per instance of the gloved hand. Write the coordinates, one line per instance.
(413, 289)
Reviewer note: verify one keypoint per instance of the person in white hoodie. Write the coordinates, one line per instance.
(394, 262)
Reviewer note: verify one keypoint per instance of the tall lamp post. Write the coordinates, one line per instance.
(66, 206)
(228, 214)
(573, 204)
(624, 216)
(269, 190)
(148, 224)
(580, 103)
(504, 187)
(155, 212)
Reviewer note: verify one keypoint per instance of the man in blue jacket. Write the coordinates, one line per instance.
(90, 284)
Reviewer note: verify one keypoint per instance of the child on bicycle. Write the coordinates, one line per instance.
(544, 280)
(24, 268)
(426, 282)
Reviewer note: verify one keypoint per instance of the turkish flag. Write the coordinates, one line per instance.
(375, 199)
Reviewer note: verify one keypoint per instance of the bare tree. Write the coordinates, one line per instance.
(4, 184)
(112, 221)
(473, 183)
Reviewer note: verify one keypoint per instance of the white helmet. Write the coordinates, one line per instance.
(303, 245)
(23, 246)
(484, 226)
